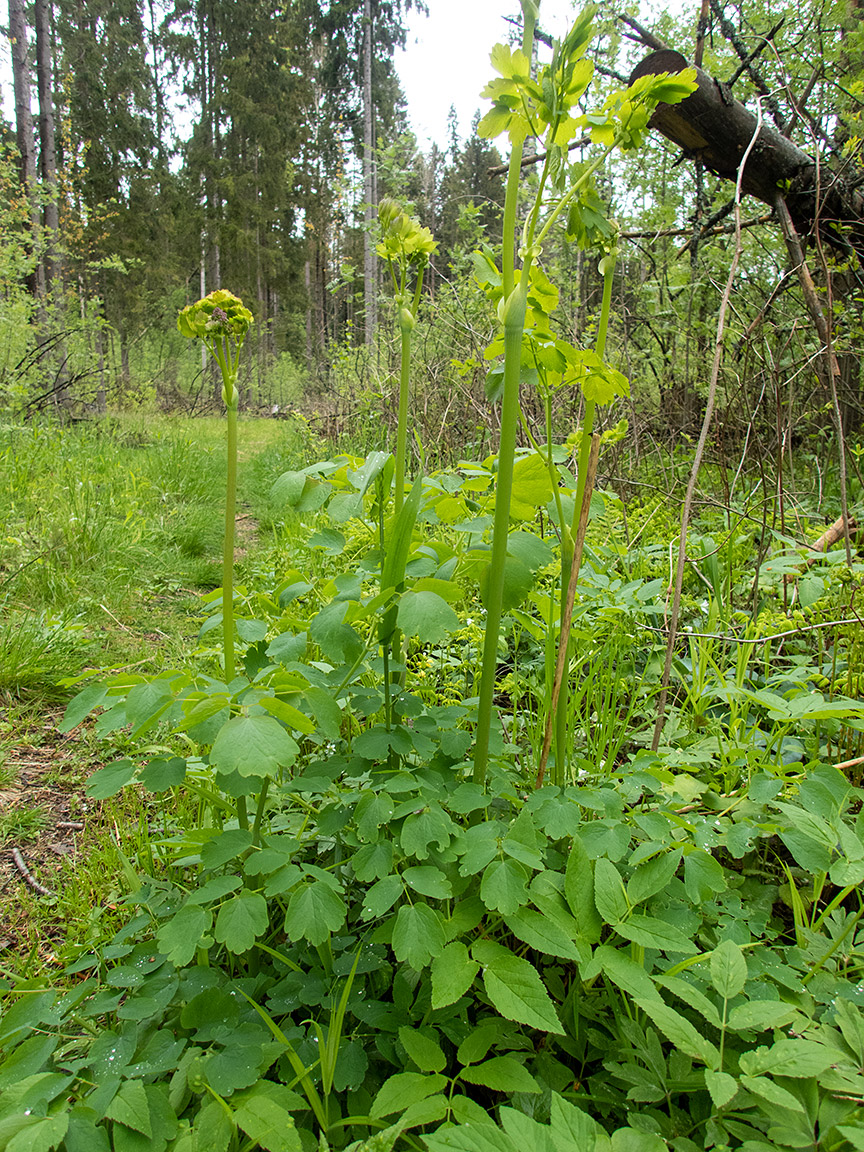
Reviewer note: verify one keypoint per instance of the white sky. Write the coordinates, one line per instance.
(446, 60)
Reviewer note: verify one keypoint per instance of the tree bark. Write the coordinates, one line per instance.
(713, 127)
(370, 280)
(24, 131)
(47, 141)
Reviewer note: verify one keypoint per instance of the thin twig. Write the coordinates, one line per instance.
(703, 438)
(28, 876)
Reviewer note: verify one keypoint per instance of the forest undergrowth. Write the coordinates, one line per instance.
(437, 807)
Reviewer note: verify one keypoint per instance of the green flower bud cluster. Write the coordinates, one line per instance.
(221, 314)
(403, 238)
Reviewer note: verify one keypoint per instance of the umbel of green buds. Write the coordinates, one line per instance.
(219, 315)
(402, 237)
(220, 320)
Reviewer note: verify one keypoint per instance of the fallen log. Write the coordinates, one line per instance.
(715, 128)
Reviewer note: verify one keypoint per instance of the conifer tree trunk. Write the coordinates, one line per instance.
(24, 131)
(370, 286)
(47, 141)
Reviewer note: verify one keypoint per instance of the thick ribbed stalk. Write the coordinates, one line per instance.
(228, 552)
(513, 329)
(515, 303)
(406, 325)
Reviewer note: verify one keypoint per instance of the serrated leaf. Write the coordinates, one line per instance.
(241, 920)
(542, 934)
(764, 1087)
(405, 1089)
(418, 935)
(514, 987)
(314, 911)
(427, 616)
(650, 932)
(130, 1107)
(253, 746)
(759, 1015)
(425, 1051)
(579, 891)
(179, 938)
(453, 973)
(504, 887)
(428, 881)
(502, 1074)
(610, 897)
(269, 1124)
(42, 1134)
(728, 969)
(797, 1058)
(722, 1087)
(681, 1032)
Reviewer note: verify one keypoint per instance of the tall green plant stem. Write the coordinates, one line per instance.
(561, 705)
(228, 367)
(407, 321)
(515, 305)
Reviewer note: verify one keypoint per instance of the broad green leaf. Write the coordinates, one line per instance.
(504, 887)
(108, 781)
(542, 934)
(373, 861)
(382, 896)
(26, 1059)
(287, 714)
(453, 973)
(268, 1123)
(338, 641)
(653, 876)
(147, 702)
(80, 706)
(722, 1087)
(503, 1074)
(42, 1134)
(532, 486)
(423, 1049)
(766, 1088)
(130, 1107)
(163, 773)
(525, 1131)
(288, 488)
(579, 890)
(178, 939)
(225, 846)
(610, 897)
(253, 746)
(798, 1058)
(418, 935)
(515, 988)
(314, 911)
(681, 1032)
(626, 973)
(371, 811)
(728, 969)
(760, 1015)
(704, 877)
(428, 881)
(405, 1089)
(572, 1128)
(241, 920)
(427, 616)
(653, 933)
